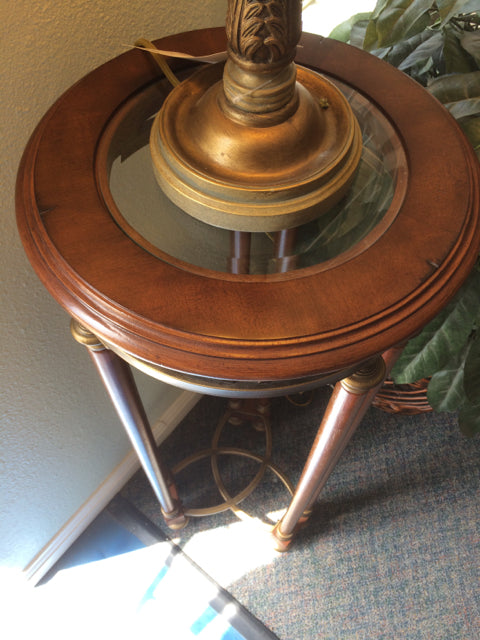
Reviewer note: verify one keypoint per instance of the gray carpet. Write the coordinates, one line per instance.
(391, 551)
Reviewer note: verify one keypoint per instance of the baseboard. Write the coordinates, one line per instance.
(64, 538)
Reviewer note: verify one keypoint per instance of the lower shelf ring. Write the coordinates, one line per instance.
(231, 502)
(213, 453)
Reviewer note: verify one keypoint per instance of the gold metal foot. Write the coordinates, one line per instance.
(175, 520)
(280, 541)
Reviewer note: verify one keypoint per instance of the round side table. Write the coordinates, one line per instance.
(247, 315)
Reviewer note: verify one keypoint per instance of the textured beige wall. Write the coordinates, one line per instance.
(59, 437)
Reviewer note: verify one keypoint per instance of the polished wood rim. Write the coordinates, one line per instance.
(249, 329)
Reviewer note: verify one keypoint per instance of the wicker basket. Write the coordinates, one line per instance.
(407, 399)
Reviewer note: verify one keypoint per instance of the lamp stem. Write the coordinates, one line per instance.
(260, 76)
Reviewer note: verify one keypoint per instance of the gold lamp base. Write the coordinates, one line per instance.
(257, 144)
(247, 176)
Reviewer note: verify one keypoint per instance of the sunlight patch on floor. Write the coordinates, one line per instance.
(228, 553)
(142, 593)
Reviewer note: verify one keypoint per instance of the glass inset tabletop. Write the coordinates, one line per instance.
(142, 210)
(159, 287)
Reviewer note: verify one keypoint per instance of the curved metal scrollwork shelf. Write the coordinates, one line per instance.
(260, 422)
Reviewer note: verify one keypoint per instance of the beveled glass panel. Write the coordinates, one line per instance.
(153, 221)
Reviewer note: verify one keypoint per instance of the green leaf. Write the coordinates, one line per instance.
(446, 391)
(343, 31)
(357, 36)
(394, 20)
(469, 419)
(448, 8)
(456, 86)
(470, 41)
(472, 372)
(456, 57)
(442, 338)
(471, 128)
(429, 45)
(464, 108)
(417, 46)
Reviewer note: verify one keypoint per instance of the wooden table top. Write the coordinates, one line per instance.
(250, 328)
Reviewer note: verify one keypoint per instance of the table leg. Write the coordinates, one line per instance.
(349, 402)
(285, 258)
(117, 377)
(240, 246)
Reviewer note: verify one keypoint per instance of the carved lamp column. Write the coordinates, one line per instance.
(256, 144)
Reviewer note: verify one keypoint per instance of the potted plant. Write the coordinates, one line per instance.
(438, 45)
